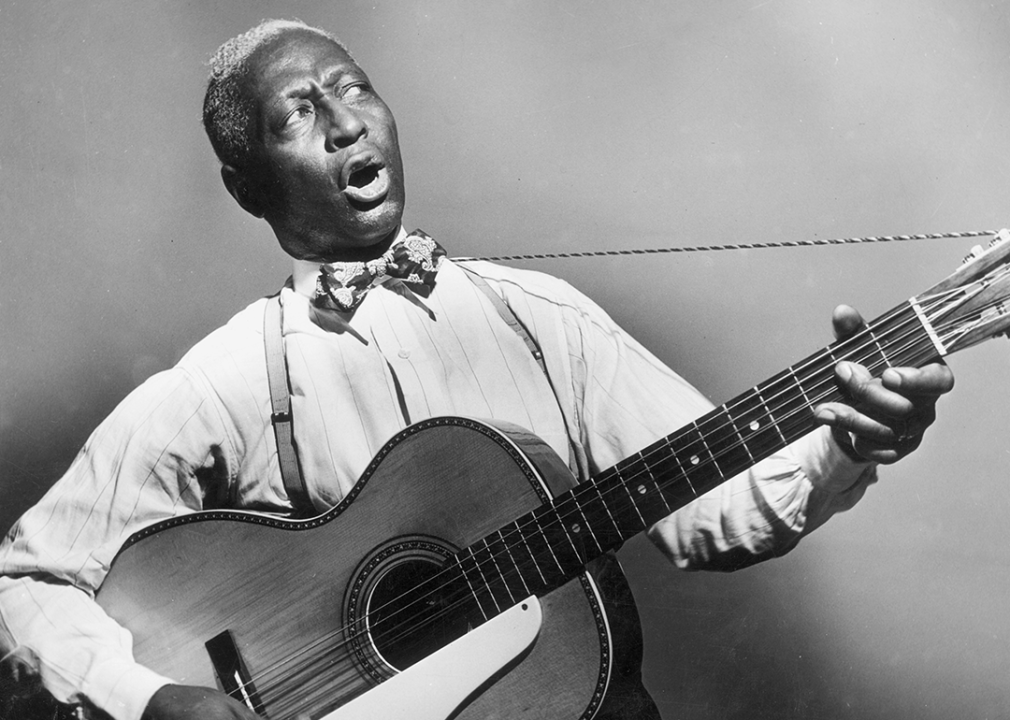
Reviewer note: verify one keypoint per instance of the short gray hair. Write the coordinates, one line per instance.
(227, 114)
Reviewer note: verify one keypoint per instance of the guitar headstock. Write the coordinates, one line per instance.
(973, 303)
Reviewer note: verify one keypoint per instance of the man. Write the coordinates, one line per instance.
(309, 146)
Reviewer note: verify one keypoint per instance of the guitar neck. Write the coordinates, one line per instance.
(552, 544)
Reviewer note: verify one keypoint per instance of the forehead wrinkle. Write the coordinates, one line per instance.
(298, 79)
(301, 87)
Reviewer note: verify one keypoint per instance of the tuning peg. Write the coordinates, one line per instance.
(976, 252)
(1002, 236)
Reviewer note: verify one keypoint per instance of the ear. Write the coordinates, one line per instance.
(244, 190)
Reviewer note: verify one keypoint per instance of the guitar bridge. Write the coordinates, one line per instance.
(232, 675)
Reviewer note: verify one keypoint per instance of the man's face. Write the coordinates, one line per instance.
(327, 150)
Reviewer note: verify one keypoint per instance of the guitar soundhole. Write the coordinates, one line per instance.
(409, 613)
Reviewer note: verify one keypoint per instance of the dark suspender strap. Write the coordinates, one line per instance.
(519, 329)
(509, 317)
(280, 407)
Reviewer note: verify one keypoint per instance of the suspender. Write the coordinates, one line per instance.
(280, 407)
(508, 316)
(513, 322)
(280, 396)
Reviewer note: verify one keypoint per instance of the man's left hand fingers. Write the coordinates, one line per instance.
(930, 380)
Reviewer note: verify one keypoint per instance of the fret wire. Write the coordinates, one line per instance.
(550, 547)
(498, 567)
(723, 442)
(586, 521)
(744, 442)
(549, 510)
(563, 526)
(880, 348)
(799, 385)
(529, 550)
(508, 544)
(606, 506)
(638, 512)
(473, 590)
(653, 503)
(683, 470)
(655, 483)
(704, 443)
(772, 417)
(487, 582)
(624, 511)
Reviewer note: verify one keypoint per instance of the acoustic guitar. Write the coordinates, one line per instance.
(451, 581)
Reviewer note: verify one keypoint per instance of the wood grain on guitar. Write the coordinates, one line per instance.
(456, 521)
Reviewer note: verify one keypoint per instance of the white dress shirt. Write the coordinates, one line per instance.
(199, 436)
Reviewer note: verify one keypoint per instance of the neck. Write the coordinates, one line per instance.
(306, 271)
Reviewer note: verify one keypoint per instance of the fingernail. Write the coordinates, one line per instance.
(844, 371)
(893, 378)
(824, 415)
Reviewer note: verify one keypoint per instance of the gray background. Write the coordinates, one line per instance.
(532, 126)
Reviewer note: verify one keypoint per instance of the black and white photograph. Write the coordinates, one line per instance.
(437, 360)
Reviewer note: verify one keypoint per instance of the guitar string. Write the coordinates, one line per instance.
(868, 343)
(302, 688)
(714, 458)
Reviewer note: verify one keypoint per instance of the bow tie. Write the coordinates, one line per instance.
(343, 285)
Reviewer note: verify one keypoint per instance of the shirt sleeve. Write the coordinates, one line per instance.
(622, 398)
(163, 452)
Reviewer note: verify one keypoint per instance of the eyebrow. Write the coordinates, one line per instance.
(301, 88)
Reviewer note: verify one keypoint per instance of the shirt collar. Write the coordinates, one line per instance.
(306, 271)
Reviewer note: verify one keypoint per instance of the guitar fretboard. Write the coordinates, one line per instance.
(550, 545)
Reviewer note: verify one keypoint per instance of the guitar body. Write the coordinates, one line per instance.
(292, 594)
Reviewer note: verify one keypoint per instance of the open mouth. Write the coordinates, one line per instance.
(367, 184)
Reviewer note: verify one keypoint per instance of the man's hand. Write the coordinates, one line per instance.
(187, 702)
(888, 415)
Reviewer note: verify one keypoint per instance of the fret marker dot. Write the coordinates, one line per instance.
(576, 528)
(641, 489)
(754, 425)
(695, 460)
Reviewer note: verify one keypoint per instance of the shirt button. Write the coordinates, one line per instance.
(404, 353)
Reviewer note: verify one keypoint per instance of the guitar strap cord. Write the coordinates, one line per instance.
(743, 246)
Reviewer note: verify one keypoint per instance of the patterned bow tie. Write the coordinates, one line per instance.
(343, 285)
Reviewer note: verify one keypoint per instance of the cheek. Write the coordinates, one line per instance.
(313, 182)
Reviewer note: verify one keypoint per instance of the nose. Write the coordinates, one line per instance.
(345, 125)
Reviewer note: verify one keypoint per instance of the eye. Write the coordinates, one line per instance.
(354, 90)
(298, 114)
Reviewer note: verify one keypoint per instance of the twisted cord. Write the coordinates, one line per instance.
(743, 246)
